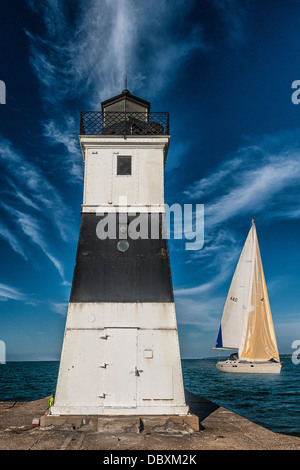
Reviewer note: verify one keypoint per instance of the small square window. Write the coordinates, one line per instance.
(123, 165)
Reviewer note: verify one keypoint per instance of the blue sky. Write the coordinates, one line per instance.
(224, 70)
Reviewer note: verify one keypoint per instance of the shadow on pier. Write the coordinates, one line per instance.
(199, 406)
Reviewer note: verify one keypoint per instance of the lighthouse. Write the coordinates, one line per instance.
(120, 353)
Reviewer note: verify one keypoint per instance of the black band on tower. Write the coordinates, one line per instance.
(104, 271)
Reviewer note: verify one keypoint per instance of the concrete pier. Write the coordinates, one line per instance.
(188, 423)
(219, 429)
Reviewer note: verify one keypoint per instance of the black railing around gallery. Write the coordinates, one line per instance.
(121, 123)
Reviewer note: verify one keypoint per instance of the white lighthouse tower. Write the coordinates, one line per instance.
(120, 352)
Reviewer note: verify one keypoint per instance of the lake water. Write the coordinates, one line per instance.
(272, 401)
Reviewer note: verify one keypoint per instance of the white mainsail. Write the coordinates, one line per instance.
(246, 323)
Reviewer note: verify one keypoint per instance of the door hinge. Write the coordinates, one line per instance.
(104, 364)
(104, 336)
(137, 371)
(103, 395)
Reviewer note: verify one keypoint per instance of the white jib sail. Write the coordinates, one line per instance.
(234, 319)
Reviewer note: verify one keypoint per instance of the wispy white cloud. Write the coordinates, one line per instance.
(32, 205)
(260, 189)
(91, 47)
(105, 40)
(66, 134)
(208, 185)
(8, 235)
(27, 183)
(220, 266)
(11, 293)
(205, 313)
(261, 177)
(59, 307)
(32, 228)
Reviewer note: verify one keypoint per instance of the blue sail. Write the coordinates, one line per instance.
(219, 343)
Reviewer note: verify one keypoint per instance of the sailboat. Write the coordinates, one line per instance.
(246, 324)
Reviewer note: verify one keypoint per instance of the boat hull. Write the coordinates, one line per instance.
(239, 367)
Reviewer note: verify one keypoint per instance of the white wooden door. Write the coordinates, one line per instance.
(81, 380)
(120, 383)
